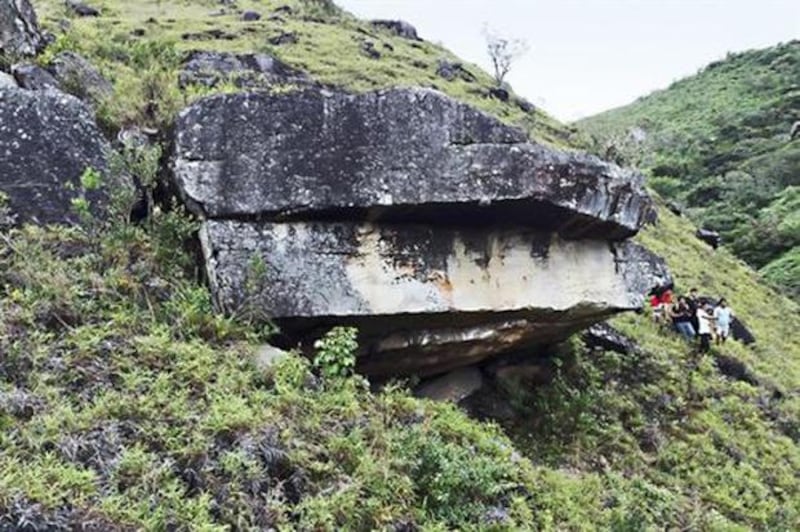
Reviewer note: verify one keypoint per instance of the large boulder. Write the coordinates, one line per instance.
(47, 140)
(19, 29)
(401, 154)
(443, 234)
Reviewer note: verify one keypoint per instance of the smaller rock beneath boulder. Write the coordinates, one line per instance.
(82, 10)
(250, 16)
(604, 336)
(7, 80)
(521, 368)
(267, 356)
(285, 37)
(33, 77)
(711, 238)
(398, 27)
(452, 70)
(453, 386)
(79, 77)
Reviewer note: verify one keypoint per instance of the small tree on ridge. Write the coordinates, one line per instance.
(503, 52)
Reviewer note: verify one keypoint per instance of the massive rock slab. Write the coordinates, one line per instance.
(19, 29)
(443, 234)
(396, 155)
(47, 140)
(426, 299)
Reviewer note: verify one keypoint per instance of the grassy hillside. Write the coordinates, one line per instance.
(718, 143)
(139, 45)
(126, 403)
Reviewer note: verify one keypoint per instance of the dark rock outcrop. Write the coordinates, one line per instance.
(402, 154)
(251, 16)
(33, 77)
(735, 369)
(712, 238)
(19, 29)
(82, 10)
(368, 49)
(250, 71)
(48, 139)
(398, 27)
(285, 37)
(500, 93)
(604, 336)
(441, 233)
(451, 71)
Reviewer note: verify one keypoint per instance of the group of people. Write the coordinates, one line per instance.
(692, 317)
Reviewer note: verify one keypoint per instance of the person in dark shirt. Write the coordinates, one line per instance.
(694, 303)
(681, 316)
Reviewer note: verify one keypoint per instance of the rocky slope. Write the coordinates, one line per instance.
(719, 144)
(127, 402)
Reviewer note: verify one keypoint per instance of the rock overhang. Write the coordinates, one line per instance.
(443, 234)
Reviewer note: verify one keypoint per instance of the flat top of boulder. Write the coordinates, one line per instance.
(410, 153)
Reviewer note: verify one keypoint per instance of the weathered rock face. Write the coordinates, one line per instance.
(403, 154)
(47, 140)
(441, 233)
(456, 295)
(19, 29)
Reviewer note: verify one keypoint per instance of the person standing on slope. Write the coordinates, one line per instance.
(694, 305)
(682, 318)
(705, 321)
(722, 318)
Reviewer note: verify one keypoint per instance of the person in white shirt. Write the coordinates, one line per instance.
(705, 322)
(722, 318)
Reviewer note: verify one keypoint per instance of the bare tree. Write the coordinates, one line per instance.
(503, 52)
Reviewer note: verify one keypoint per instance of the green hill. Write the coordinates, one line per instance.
(718, 144)
(126, 403)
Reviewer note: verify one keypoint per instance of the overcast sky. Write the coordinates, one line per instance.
(587, 56)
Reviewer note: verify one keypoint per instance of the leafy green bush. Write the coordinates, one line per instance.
(336, 352)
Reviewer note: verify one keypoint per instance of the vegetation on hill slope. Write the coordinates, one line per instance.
(718, 143)
(140, 44)
(127, 403)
